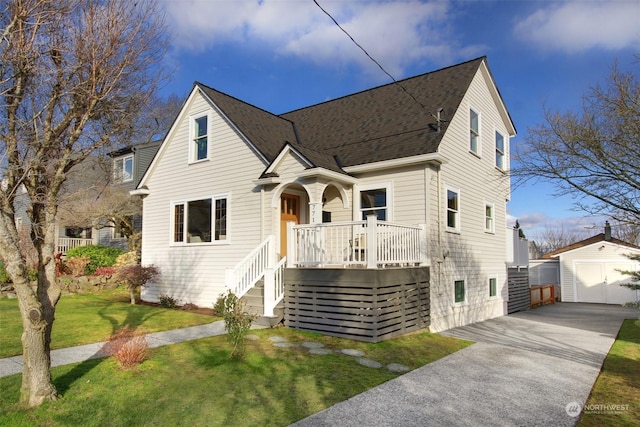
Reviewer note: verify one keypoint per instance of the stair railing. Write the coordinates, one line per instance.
(247, 272)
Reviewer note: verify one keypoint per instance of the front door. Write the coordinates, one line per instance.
(289, 211)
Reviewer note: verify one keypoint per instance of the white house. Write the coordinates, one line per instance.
(406, 174)
(592, 270)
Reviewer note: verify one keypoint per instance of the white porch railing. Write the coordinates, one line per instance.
(66, 243)
(369, 244)
(260, 263)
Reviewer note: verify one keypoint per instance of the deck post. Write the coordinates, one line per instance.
(292, 250)
(372, 243)
(424, 245)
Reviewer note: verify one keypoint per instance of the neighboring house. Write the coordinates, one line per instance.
(590, 270)
(128, 165)
(397, 180)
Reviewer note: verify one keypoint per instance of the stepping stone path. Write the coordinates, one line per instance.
(319, 348)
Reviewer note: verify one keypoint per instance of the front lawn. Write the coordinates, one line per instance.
(615, 398)
(88, 318)
(196, 383)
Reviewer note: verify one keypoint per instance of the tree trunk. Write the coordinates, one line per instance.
(132, 293)
(37, 321)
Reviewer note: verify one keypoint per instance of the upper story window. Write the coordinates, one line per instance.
(123, 169)
(500, 151)
(200, 221)
(200, 138)
(489, 220)
(453, 210)
(375, 199)
(474, 132)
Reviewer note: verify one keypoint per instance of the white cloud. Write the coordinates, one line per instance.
(580, 25)
(395, 33)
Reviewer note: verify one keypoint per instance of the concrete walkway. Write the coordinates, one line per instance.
(524, 369)
(64, 356)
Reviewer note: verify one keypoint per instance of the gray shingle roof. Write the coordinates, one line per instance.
(378, 124)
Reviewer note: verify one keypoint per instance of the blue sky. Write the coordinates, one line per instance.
(285, 54)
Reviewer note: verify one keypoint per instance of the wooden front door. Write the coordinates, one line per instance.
(289, 211)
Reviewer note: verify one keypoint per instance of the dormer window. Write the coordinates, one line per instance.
(123, 169)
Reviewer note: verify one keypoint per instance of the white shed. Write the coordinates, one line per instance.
(591, 270)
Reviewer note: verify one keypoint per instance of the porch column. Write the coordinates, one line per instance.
(315, 212)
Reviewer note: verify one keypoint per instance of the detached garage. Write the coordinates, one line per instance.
(590, 270)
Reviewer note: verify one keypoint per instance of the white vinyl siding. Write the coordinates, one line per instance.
(473, 253)
(196, 273)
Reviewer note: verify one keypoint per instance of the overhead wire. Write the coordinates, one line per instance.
(373, 59)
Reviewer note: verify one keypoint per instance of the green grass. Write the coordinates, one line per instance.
(618, 383)
(197, 384)
(88, 318)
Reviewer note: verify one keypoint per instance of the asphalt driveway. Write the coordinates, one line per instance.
(527, 369)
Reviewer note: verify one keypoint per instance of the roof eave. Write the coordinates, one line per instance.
(433, 158)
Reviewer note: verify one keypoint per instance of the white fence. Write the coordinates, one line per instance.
(369, 244)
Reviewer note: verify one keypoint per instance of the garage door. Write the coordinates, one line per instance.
(599, 282)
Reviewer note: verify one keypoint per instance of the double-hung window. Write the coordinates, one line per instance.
(200, 138)
(474, 132)
(453, 210)
(200, 220)
(375, 200)
(123, 169)
(489, 218)
(500, 151)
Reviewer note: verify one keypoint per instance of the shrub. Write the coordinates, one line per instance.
(4, 276)
(136, 276)
(168, 302)
(105, 271)
(100, 256)
(128, 348)
(77, 266)
(237, 322)
(127, 258)
(218, 307)
(189, 306)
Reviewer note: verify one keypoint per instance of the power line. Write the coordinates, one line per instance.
(373, 59)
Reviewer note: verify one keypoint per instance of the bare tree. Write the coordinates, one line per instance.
(552, 238)
(73, 74)
(592, 155)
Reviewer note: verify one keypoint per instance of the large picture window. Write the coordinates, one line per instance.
(200, 221)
